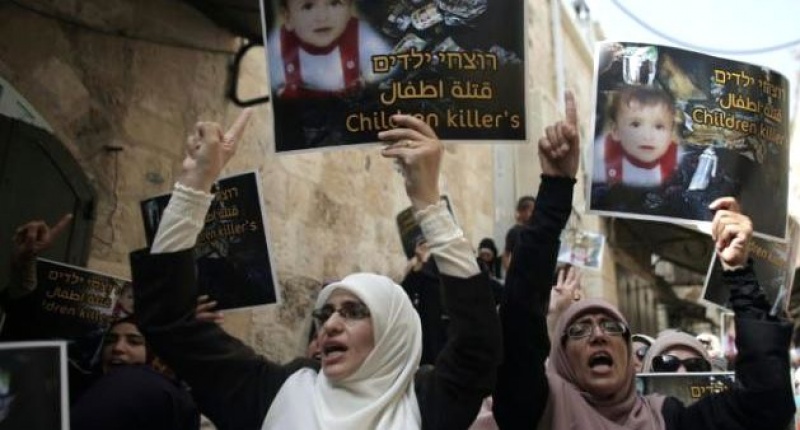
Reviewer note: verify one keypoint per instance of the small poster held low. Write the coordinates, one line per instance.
(232, 252)
(686, 387)
(33, 386)
(74, 304)
(582, 249)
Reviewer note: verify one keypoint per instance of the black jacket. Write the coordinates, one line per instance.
(235, 387)
(763, 399)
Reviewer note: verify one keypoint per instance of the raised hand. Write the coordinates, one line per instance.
(569, 281)
(731, 231)
(208, 150)
(34, 237)
(418, 152)
(559, 148)
(566, 290)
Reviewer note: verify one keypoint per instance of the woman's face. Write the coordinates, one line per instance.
(346, 341)
(123, 344)
(486, 255)
(600, 360)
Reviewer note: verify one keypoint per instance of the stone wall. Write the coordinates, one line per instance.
(139, 74)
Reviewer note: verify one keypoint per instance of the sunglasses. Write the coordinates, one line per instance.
(350, 311)
(671, 363)
(585, 328)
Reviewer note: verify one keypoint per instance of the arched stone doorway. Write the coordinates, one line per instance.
(41, 180)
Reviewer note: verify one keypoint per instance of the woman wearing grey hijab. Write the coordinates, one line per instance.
(676, 351)
(589, 381)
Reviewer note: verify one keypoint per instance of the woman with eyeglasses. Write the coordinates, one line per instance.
(589, 381)
(368, 335)
(675, 351)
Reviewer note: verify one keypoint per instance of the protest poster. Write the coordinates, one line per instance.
(234, 263)
(675, 129)
(409, 229)
(33, 385)
(686, 387)
(581, 248)
(773, 263)
(74, 304)
(458, 65)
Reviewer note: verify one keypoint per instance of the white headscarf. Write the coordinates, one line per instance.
(380, 394)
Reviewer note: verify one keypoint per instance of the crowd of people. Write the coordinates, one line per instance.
(471, 339)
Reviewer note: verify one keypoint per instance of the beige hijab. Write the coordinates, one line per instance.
(569, 407)
(667, 340)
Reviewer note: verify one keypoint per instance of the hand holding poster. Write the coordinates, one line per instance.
(676, 129)
(458, 65)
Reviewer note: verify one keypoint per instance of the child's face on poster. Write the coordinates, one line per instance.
(644, 131)
(317, 22)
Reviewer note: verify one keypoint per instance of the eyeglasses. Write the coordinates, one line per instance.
(585, 328)
(671, 363)
(350, 311)
(641, 352)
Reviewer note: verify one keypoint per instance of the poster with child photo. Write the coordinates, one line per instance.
(675, 129)
(338, 70)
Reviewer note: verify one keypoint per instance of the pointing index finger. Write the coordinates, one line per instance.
(571, 109)
(60, 225)
(237, 129)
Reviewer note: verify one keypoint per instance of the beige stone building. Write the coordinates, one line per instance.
(114, 86)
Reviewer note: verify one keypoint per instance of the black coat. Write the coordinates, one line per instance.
(235, 387)
(763, 399)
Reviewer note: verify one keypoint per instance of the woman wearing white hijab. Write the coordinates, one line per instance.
(368, 332)
(589, 380)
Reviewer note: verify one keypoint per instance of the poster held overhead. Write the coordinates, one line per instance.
(458, 65)
(675, 129)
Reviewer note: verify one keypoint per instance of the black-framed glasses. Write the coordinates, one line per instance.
(582, 329)
(671, 363)
(349, 310)
(641, 352)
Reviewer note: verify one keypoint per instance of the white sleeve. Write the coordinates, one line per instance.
(449, 247)
(182, 221)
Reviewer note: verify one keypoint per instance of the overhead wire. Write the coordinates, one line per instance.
(689, 45)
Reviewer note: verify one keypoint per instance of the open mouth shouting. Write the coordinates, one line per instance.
(601, 362)
(333, 352)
